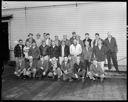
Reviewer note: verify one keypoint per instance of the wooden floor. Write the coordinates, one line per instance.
(14, 88)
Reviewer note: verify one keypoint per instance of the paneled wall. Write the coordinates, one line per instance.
(58, 20)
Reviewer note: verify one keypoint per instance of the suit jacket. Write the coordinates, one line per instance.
(34, 52)
(76, 67)
(66, 51)
(94, 42)
(111, 46)
(87, 54)
(89, 40)
(44, 50)
(65, 66)
(99, 54)
(45, 65)
(54, 52)
(18, 52)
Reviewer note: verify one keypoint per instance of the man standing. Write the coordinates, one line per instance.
(110, 43)
(73, 37)
(99, 53)
(87, 39)
(97, 37)
(19, 54)
(79, 41)
(54, 50)
(30, 39)
(48, 40)
(44, 50)
(75, 51)
(63, 51)
(57, 41)
(66, 40)
(44, 36)
(38, 39)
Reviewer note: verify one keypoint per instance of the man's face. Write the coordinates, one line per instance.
(66, 59)
(30, 36)
(53, 43)
(86, 36)
(74, 34)
(97, 36)
(43, 43)
(27, 43)
(75, 42)
(56, 38)
(38, 36)
(20, 42)
(63, 43)
(48, 36)
(109, 35)
(65, 37)
(34, 44)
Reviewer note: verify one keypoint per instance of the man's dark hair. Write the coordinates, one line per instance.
(73, 32)
(86, 33)
(97, 34)
(20, 40)
(47, 34)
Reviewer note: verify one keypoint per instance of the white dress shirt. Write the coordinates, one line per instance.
(75, 50)
(62, 50)
(109, 39)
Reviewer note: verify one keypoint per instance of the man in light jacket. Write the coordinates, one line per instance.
(75, 51)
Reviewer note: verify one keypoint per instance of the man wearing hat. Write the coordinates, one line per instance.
(30, 38)
(38, 39)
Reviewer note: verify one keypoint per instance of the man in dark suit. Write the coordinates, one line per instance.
(110, 43)
(87, 39)
(64, 50)
(54, 50)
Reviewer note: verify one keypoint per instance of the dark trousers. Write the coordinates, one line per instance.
(87, 65)
(113, 56)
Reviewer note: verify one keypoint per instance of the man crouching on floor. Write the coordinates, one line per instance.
(96, 71)
(54, 70)
(66, 69)
(79, 69)
(42, 67)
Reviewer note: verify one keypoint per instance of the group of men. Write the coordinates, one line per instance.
(66, 58)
